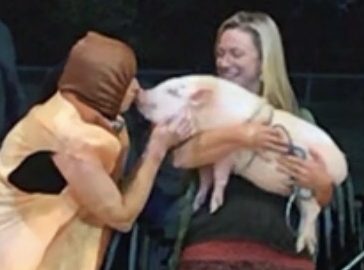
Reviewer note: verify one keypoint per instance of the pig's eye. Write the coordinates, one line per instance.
(173, 92)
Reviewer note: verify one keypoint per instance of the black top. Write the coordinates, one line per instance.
(161, 210)
(38, 174)
(248, 213)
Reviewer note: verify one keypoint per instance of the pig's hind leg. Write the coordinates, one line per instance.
(206, 178)
(307, 235)
(221, 174)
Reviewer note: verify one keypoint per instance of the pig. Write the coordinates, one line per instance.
(215, 102)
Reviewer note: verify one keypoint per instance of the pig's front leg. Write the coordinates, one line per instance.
(221, 171)
(206, 178)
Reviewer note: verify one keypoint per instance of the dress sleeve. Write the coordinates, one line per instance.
(92, 140)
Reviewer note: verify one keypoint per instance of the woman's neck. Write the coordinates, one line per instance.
(87, 113)
(254, 87)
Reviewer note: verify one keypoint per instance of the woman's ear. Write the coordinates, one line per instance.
(200, 97)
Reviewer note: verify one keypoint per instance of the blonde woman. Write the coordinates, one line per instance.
(249, 231)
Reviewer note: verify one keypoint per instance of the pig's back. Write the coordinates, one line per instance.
(231, 104)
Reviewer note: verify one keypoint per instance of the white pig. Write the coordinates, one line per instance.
(214, 102)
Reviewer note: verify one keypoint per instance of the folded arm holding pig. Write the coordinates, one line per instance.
(210, 146)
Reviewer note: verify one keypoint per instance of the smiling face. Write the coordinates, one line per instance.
(237, 58)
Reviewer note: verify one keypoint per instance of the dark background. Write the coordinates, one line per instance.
(323, 40)
(319, 35)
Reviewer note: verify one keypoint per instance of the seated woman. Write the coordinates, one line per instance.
(60, 164)
(249, 231)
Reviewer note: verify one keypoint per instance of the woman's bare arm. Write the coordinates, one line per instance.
(209, 146)
(97, 193)
(206, 147)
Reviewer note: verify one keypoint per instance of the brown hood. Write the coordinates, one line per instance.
(99, 70)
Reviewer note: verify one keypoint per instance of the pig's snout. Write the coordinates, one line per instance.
(144, 105)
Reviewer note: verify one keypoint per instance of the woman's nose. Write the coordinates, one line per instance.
(223, 62)
(141, 96)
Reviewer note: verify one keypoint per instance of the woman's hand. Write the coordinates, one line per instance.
(261, 137)
(309, 173)
(172, 131)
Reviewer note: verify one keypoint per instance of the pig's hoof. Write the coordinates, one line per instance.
(307, 240)
(199, 200)
(312, 245)
(300, 244)
(216, 202)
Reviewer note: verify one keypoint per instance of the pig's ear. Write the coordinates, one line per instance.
(200, 97)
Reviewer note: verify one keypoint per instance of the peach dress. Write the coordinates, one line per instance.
(43, 231)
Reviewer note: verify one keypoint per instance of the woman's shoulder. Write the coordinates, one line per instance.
(64, 131)
(306, 115)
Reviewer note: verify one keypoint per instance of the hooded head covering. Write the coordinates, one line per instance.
(99, 70)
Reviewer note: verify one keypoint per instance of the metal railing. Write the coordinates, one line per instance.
(155, 75)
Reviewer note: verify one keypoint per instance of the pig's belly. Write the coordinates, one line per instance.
(303, 134)
(263, 175)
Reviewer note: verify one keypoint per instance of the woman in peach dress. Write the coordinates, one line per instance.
(60, 165)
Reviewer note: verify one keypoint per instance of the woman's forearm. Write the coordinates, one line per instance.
(208, 147)
(323, 193)
(137, 192)
(97, 193)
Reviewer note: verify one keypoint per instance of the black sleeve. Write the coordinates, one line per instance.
(38, 174)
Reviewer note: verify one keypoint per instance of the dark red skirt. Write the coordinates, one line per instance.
(239, 255)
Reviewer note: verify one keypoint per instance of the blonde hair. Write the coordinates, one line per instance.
(276, 88)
